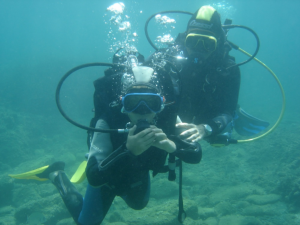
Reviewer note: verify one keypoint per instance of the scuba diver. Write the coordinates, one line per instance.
(119, 164)
(208, 78)
(195, 78)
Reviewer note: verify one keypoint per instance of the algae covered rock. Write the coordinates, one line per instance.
(6, 190)
(115, 217)
(211, 221)
(190, 221)
(205, 213)
(7, 210)
(155, 213)
(67, 221)
(8, 220)
(164, 189)
(289, 189)
(263, 199)
(7, 215)
(202, 200)
(257, 210)
(192, 212)
(224, 208)
(52, 207)
(234, 193)
(117, 223)
(238, 220)
(242, 204)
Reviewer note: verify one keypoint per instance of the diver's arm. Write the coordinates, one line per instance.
(217, 124)
(101, 173)
(210, 127)
(101, 145)
(102, 164)
(102, 159)
(230, 92)
(222, 113)
(135, 145)
(100, 148)
(189, 152)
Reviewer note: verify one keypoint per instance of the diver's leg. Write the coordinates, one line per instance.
(96, 204)
(56, 166)
(137, 197)
(71, 197)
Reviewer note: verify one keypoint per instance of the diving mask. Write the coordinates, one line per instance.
(200, 42)
(133, 101)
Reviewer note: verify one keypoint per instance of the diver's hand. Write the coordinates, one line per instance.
(193, 132)
(141, 141)
(161, 140)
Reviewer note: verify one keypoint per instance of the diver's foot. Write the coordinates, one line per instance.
(53, 175)
(62, 183)
(52, 168)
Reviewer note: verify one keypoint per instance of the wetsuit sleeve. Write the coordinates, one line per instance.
(227, 104)
(102, 159)
(189, 152)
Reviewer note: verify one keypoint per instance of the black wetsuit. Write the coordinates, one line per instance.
(112, 170)
(208, 91)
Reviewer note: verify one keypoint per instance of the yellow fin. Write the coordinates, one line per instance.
(31, 174)
(79, 175)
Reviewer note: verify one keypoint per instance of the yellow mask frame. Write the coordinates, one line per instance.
(209, 43)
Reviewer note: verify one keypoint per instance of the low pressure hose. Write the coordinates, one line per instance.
(283, 100)
(57, 95)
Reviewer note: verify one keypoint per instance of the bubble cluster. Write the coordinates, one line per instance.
(127, 80)
(173, 54)
(225, 9)
(124, 26)
(164, 19)
(166, 39)
(117, 8)
(116, 19)
(166, 24)
(119, 34)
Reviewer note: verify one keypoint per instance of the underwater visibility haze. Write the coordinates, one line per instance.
(249, 183)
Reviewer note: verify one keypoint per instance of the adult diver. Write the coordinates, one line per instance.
(208, 80)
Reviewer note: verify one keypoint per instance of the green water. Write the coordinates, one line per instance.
(247, 184)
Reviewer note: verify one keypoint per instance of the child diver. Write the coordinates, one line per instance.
(119, 164)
